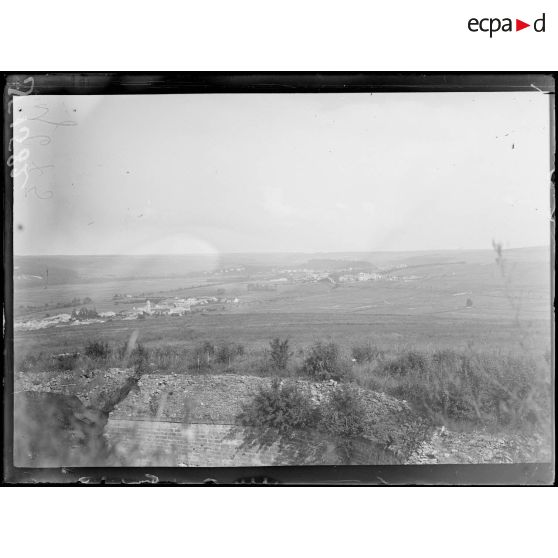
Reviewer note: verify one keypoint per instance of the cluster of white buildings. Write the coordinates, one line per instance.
(169, 307)
(350, 277)
(179, 306)
(54, 321)
(300, 275)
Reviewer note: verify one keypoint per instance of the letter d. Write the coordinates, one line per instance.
(536, 24)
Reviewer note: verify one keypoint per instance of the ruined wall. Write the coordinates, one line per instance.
(142, 443)
(172, 444)
(191, 420)
(194, 418)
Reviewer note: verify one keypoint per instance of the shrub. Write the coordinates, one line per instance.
(365, 353)
(279, 353)
(283, 407)
(324, 362)
(280, 406)
(139, 359)
(344, 413)
(409, 361)
(66, 362)
(153, 404)
(121, 351)
(515, 391)
(202, 355)
(227, 352)
(97, 350)
(488, 389)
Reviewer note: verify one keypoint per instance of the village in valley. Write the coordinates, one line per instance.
(246, 282)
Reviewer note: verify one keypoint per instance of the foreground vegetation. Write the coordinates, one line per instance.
(283, 408)
(455, 388)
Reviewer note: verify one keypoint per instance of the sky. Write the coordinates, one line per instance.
(179, 174)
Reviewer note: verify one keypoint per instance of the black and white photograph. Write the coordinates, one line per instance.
(257, 279)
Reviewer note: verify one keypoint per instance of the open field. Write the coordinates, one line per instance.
(420, 302)
(256, 329)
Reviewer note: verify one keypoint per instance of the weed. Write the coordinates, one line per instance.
(366, 353)
(343, 413)
(97, 350)
(225, 353)
(279, 353)
(409, 361)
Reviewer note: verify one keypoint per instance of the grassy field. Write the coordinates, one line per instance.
(256, 329)
(503, 338)
(460, 388)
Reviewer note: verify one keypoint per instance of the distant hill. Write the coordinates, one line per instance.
(32, 270)
(333, 264)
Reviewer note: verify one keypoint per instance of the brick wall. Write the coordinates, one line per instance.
(142, 443)
(173, 420)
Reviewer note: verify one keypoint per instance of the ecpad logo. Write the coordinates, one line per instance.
(493, 25)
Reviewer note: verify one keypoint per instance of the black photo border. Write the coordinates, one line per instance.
(134, 83)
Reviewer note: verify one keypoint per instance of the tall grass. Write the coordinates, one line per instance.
(452, 387)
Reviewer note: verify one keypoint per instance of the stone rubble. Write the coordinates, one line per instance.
(449, 447)
(89, 386)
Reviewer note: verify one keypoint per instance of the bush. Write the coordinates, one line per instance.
(344, 413)
(366, 353)
(285, 408)
(279, 353)
(97, 350)
(409, 361)
(488, 389)
(227, 352)
(139, 359)
(280, 406)
(66, 362)
(202, 355)
(324, 362)
(515, 392)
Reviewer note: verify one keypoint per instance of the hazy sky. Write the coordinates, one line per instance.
(145, 174)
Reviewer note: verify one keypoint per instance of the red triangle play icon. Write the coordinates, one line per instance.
(519, 25)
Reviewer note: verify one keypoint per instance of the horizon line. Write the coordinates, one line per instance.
(285, 252)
